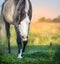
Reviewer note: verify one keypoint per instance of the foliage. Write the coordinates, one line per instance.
(56, 19)
(43, 19)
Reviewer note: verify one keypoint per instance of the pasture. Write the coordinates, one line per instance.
(43, 46)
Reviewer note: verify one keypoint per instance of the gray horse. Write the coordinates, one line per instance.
(18, 13)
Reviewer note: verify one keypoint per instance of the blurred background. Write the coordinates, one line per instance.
(44, 34)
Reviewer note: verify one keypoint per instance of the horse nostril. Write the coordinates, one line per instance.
(24, 38)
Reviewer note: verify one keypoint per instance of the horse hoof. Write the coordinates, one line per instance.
(19, 56)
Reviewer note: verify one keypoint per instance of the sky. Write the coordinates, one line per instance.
(43, 8)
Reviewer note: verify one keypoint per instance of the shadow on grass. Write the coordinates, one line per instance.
(37, 55)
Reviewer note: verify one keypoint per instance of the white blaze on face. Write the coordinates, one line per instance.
(24, 26)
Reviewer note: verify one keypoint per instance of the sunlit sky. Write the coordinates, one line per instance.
(44, 8)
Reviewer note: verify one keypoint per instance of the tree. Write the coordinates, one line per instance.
(56, 19)
(42, 19)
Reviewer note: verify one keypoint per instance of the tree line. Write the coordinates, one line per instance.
(43, 19)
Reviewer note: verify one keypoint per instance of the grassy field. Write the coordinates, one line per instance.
(33, 55)
(43, 46)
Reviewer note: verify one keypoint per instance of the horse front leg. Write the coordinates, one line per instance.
(19, 41)
(7, 27)
(24, 45)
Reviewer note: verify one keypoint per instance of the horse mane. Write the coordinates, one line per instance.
(21, 7)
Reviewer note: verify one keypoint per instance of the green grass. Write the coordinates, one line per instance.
(41, 49)
(33, 55)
